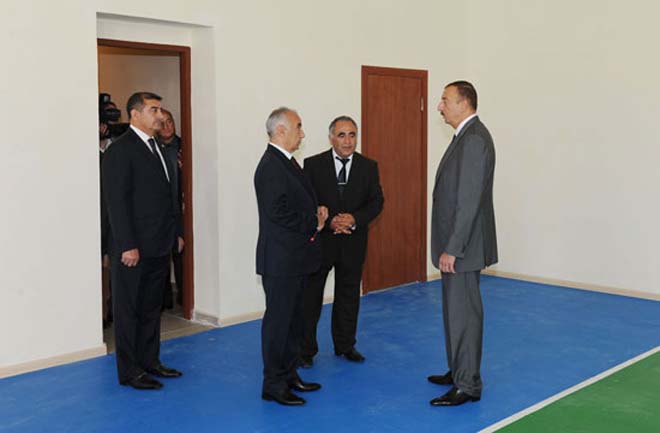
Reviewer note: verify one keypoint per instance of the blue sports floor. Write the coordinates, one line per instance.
(538, 341)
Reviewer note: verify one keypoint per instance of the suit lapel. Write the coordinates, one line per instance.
(330, 175)
(296, 172)
(152, 160)
(356, 166)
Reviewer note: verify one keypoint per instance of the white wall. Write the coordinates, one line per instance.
(49, 224)
(567, 90)
(570, 92)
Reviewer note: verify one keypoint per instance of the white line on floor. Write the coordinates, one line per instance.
(579, 386)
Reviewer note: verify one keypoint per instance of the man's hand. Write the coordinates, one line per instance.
(130, 258)
(181, 244)
(321, 217)
(447, 263)
(342, 223)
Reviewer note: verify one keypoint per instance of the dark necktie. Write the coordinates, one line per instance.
(152, 146)
(341, 177)
(295, 163)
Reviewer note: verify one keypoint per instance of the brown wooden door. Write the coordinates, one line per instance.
(394, 134)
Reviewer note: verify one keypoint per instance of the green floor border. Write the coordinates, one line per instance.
(624, 398)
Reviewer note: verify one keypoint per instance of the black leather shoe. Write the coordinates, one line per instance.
(306, 361)
(161, 371)
(302, 386)
(352, 355)
(286, 397)
(441, 379)
(144, 381)
(453, 398)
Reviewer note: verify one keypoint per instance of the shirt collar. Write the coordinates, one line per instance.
(462, 124)
(144, 137)
(287, 154)
(334, 155)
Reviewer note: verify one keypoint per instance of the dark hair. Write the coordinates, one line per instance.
(136, 101)
(168, 113)
(331, 128)
(466, 91)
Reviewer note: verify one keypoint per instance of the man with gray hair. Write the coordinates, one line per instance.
(287, 253)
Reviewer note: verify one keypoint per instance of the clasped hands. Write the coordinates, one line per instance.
(342, 224)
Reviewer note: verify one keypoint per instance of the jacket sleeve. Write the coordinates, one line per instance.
(117, 181)
(472, 174)
(373, 205)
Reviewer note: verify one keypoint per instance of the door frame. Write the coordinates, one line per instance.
(185, 131)
(423, 76)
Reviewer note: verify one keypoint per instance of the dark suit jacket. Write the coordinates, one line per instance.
(463, 218)
(287, 218)
(362, 197)
(141, 203)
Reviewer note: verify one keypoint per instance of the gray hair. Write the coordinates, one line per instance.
(331, 128)
(277, 117)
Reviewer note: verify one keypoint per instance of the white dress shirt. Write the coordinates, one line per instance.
(284, 152)
(339, 165)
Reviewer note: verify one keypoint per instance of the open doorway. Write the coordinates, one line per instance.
(124, 68)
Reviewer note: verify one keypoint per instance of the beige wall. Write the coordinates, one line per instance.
(567, 91)
(572, 97)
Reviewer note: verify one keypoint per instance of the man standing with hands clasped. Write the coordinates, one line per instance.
(463, 240)
(287, 253)
(348, 184)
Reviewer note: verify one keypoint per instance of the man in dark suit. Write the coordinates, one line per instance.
(144, 225)
(348, 184)
(463, 240)
(287, 253)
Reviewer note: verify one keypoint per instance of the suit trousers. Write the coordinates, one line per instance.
(345, 307)
(137, 299)
(281, 330)
(463, 319)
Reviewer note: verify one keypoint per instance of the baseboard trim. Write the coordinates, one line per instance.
(255, 315)
(574, 285)
(204, 318)
(241, 318)
(54, 361)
